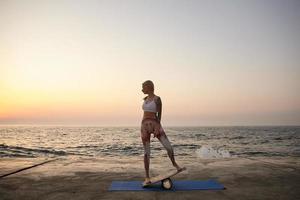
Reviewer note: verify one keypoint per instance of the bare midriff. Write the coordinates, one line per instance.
(150, 115)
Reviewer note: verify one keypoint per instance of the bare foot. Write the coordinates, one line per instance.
(147, 181)
(179, 169)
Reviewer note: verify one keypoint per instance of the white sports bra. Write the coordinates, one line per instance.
(149, 106)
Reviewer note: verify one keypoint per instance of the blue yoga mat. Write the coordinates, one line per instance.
(177, 185)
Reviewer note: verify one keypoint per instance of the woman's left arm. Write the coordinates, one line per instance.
(159, 108)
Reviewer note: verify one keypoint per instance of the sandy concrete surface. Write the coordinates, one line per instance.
(90, 178)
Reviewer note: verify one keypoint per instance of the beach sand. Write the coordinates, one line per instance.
(90, 178)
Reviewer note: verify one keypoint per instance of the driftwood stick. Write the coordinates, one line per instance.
(25, 168)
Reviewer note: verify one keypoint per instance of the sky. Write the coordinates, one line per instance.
(213, 63)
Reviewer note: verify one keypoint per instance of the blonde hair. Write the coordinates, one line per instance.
(149, 84)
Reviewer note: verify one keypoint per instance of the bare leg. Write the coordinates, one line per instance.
(167, 145)
(147, 159)
(146, 144)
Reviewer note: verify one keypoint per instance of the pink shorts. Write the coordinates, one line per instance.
(150, 125)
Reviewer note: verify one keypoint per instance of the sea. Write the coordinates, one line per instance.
(189, 142)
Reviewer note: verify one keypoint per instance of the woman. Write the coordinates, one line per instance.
(151, 124)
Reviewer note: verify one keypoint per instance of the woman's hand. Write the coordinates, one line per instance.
(157, 132)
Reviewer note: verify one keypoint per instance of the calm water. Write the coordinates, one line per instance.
(41, 141)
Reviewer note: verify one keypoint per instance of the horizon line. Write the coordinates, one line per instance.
(98, 125)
